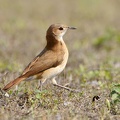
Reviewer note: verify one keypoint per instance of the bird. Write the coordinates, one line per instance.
(50, 62)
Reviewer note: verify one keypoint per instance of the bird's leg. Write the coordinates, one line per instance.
(67, 88)
(41, 84)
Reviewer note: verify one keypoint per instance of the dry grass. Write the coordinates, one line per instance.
(93, 66)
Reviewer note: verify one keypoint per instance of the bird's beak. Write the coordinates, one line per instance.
(72, 28)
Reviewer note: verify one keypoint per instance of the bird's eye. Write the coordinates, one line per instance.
(60, 28)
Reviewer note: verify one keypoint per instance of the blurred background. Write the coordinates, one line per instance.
(23, 25)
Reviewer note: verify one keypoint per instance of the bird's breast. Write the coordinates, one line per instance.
(52, 72)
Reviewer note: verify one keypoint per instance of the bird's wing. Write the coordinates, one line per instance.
(33, 61)
(42, 62)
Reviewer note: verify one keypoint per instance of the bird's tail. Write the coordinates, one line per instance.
(14, 82)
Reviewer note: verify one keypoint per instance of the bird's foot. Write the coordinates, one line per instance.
(64, 87)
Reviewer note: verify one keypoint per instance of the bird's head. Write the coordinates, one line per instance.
(58, 30)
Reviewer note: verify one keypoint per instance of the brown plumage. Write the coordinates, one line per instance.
(51, 61)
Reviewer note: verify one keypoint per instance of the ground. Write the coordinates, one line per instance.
(93, 67)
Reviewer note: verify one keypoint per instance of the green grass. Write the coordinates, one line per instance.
(93, 66)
